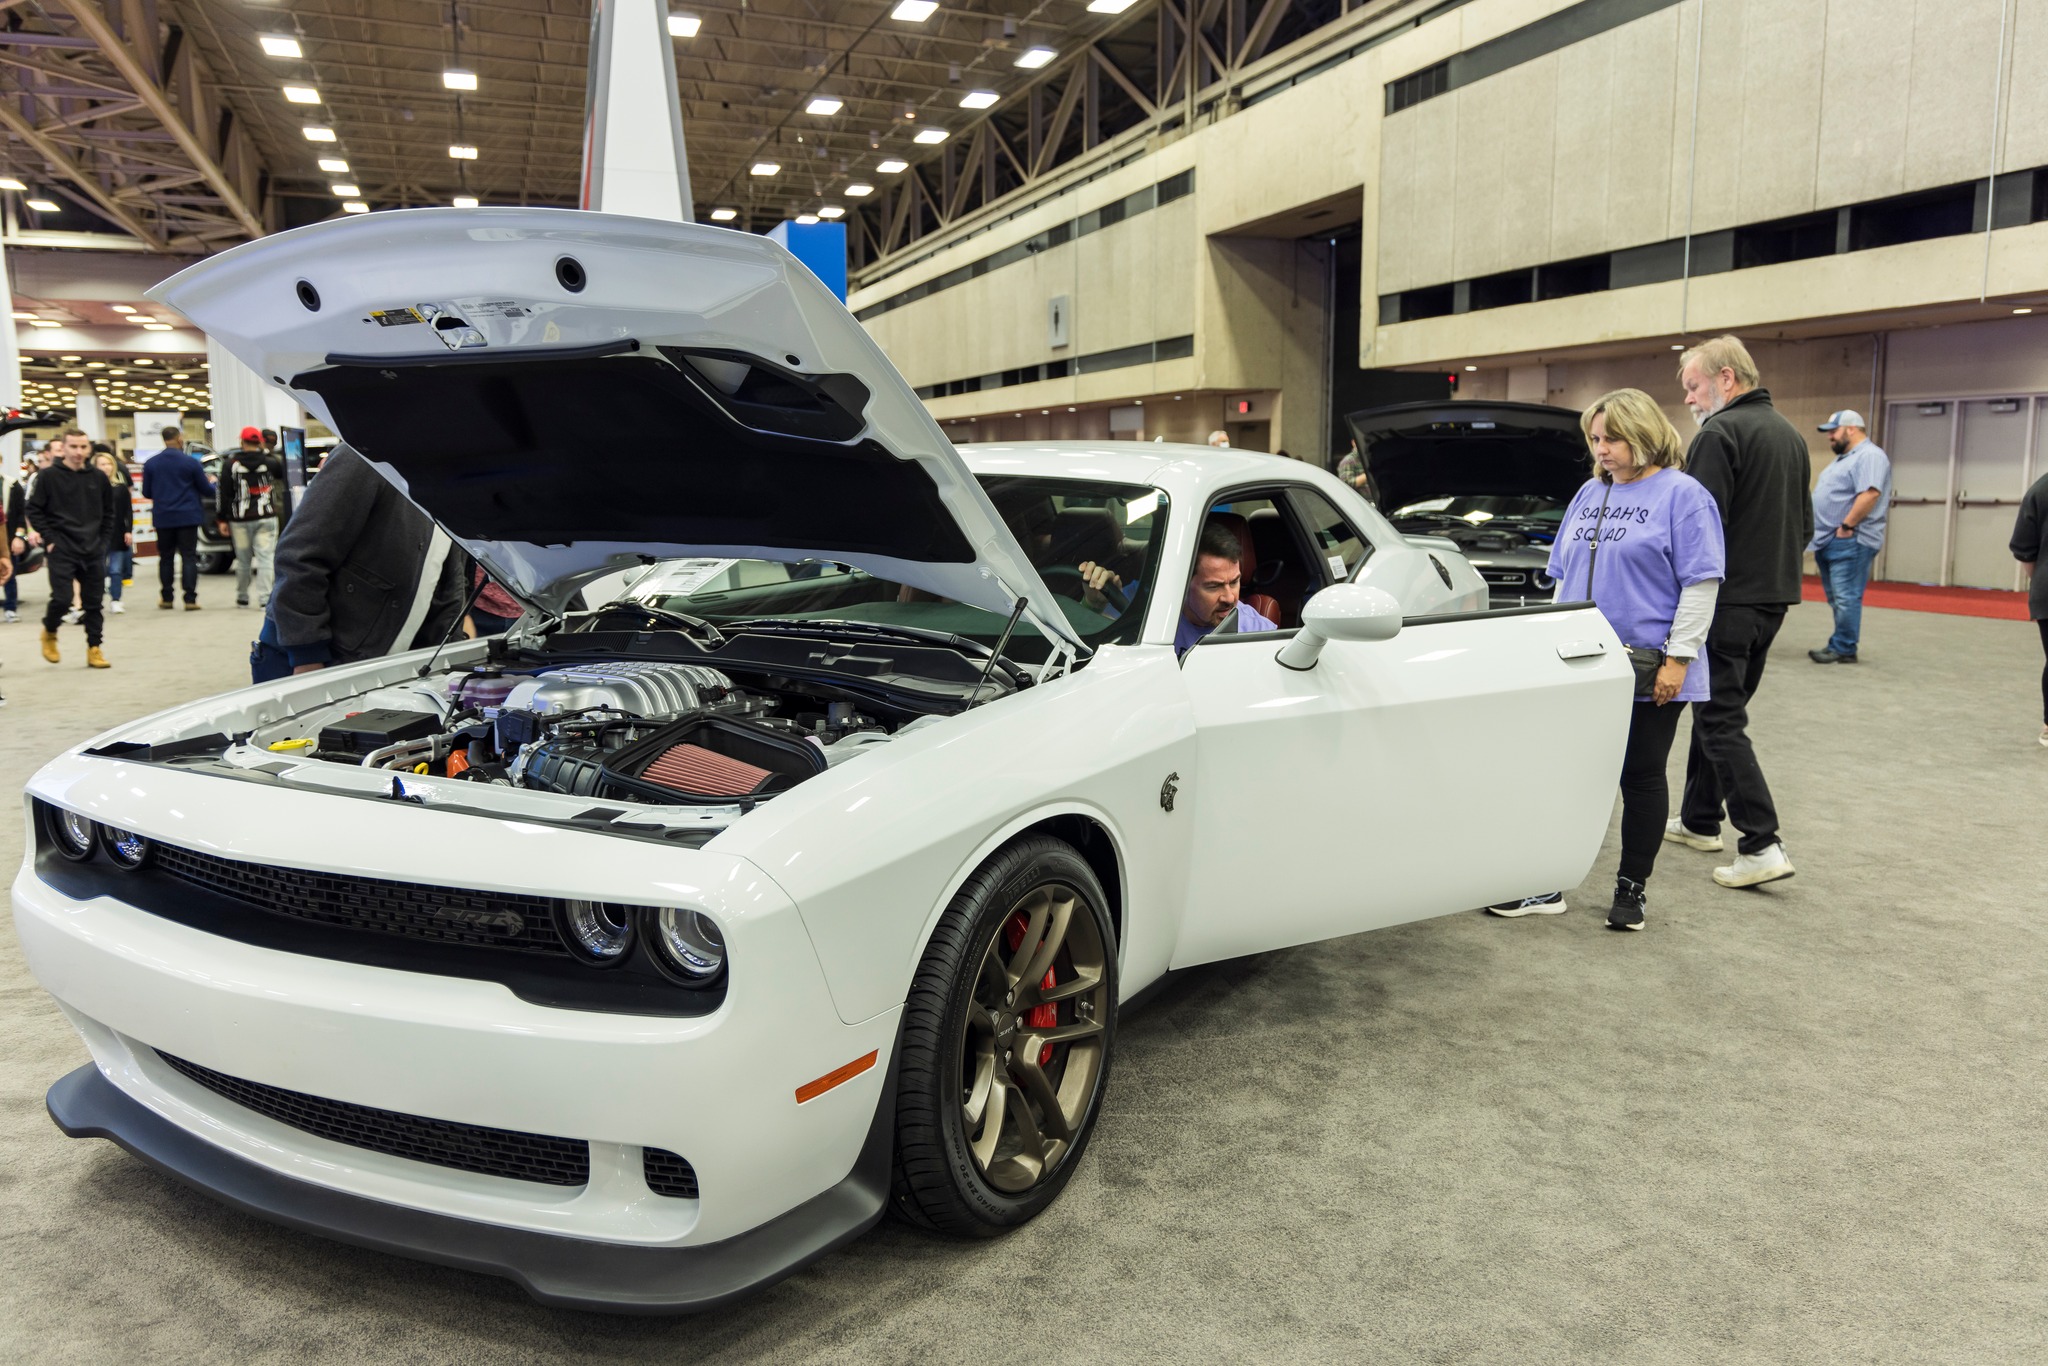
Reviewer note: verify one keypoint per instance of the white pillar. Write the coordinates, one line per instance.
(10, 382)
(243, 398)
(633, 158)
(92, 414)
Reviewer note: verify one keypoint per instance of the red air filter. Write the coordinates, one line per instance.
(702, 773)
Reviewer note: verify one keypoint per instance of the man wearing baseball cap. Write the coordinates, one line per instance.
(1849, 507)
(250, 481)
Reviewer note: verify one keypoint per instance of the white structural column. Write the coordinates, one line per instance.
(92, 414)
(10, 381)
(243, 398)
(633, 160)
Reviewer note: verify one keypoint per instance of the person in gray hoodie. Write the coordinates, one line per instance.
(361, 572)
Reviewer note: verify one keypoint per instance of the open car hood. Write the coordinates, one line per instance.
(1416, 451)
(570, 393)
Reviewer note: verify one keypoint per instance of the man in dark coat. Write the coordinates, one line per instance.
(2029, 539)
(176, 482)
(361, 572)
(1755, 464)
(73, 509)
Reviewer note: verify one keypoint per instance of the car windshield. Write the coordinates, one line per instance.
(1063, 525)
(1477, 509)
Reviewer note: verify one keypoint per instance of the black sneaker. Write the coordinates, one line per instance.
(1629, 903)
(1550, 903)
(1827, 656)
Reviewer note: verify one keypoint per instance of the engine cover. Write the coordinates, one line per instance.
(655, 691)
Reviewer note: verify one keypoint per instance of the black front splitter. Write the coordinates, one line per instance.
(570, 1273)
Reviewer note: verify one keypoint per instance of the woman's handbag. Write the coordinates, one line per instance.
(1644, 660)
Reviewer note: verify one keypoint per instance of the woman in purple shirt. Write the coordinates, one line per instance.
(1657, 570)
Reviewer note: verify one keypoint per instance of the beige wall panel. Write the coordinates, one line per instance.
(1417, 201)
(1992, 359)
(1583, 170)
(1955, 65)
(1505, 151)
(1943, 270)
(1717, 152)
(1684, 172)
(1864, 83)
(1175, 252)
(1587, 318)
(1267, 159)
(2026, 97)
(1642, 82)
(1782, 44)
(1113, 289)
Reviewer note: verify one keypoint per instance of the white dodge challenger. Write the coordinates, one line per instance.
(648, 952)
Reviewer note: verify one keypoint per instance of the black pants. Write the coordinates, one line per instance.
(1722, 766)
(1645, 792)
(2043, 624)
(89, 572)
(184, 541)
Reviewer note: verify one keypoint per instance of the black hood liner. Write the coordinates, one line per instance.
(549, 450)
(1415, 451)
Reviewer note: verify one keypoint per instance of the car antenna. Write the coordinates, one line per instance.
(974, 698)
(474, 593)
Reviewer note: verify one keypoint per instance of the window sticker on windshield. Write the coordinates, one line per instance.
(1336, 563)
(1141, 507)
(679, 577)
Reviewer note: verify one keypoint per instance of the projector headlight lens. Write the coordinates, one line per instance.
(597, 931)
(125, 847)
(72, 834)
(690, 943)
(1540, 579)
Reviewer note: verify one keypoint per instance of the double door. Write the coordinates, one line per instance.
(1959, 469)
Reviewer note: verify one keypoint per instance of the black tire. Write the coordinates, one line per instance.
(216, 562)
(974, 1178)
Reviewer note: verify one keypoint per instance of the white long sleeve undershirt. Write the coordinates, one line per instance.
(1689, 623)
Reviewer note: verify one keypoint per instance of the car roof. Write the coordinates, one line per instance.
(1177, 467)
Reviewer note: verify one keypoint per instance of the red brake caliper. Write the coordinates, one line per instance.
(1038, 1017)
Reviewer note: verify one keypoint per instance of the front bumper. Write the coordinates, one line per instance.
(571, 1273)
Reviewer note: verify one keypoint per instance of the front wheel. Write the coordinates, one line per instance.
(1006, 1043)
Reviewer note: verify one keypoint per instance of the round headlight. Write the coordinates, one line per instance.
(1540, 578)
(125, 847)
(598, 932)
(690, 943)
(72, 834)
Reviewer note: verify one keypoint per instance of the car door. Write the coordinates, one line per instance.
(1472, 758)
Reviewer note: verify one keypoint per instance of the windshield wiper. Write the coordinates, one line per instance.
(687, 622)
(916, 635)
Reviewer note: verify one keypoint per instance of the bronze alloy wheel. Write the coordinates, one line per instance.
(1007, 1036)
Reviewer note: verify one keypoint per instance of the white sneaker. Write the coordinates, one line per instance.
(16, 616)
(2044, 729)
(1675, 831)
(115, 607)
(71, 618)
(1749, 870)
(1550, 903)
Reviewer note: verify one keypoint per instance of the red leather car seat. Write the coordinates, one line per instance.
(1248, 565)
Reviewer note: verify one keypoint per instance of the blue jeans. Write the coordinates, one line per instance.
(120, 565)
(1844, 569)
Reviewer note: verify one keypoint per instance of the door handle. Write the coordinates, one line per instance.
(1581, 649)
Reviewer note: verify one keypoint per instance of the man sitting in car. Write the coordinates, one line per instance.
(1211, 600)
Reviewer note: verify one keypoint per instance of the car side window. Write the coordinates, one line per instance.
(1340, 546)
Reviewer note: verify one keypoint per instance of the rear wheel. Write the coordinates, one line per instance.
(1007, 1037)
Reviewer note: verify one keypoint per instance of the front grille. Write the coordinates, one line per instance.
(465, 1147)
(447, 915)
(668, 1174)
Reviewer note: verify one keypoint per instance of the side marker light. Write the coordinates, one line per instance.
(811, 1090)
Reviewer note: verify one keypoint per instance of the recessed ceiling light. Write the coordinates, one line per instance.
(42, 205)
(74, 374)
(684, 25)
(462, 151)
(2023, 310)
(1470, 369)
(345, 191)
(1032, 58)
(315, 133)
(334, 165)
(978, 99)
(455, 78)
(832, 211)
(724, 215)
(766, 167)
(280, 45)
(10, 183)
(142, 360)
(122, 308)
(117, 372)
(142, 318)
(355, 206)
(464, 201)
(181, 376)
(914, 11)
(824, 105)
(27, 317)
(1109, 6)
(302, 94)
(807, 218)
(44, 322)
(891, 165)
(67, 358)
(165, 327)
(931, 136)
(858, 191)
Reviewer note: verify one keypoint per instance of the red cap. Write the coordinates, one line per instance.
(251, 434)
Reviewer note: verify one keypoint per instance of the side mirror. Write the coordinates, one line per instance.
(1343, 611)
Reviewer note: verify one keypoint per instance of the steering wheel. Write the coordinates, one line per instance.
(1111, 593)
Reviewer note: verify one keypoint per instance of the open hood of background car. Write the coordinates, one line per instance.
(571, 393)
(1416, 451)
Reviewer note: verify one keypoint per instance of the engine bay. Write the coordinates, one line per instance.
(634, 731)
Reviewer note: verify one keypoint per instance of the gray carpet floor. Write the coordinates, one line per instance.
(1804, 1123)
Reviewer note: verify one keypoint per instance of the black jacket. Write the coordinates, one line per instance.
(74, 509)
(349, 566)
(1755, 464)
(250, 482)
(124, 513)
(2030, 540)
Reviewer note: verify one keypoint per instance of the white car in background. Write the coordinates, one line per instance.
(645, 954)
